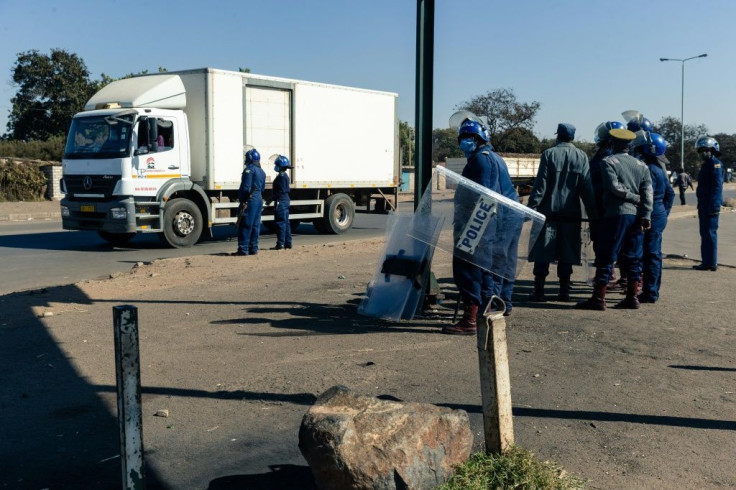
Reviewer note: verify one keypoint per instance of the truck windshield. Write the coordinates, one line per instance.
(94, 137)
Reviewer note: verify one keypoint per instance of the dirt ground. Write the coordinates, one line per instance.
(237, 348)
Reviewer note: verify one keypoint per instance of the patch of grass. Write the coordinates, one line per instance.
(517, 469)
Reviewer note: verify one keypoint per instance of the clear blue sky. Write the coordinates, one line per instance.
(586, 61)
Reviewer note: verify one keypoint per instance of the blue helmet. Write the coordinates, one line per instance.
(282, 162)
(659, 144)
(640, 124)
(601, 132)
(708, 142)
(473, 128)
(252, 156)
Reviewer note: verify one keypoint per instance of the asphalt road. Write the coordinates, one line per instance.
(37, 254)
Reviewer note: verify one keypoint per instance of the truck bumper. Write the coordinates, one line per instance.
(99, 216)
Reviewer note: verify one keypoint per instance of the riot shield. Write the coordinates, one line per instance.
(398, 284)
(478, 225)
(587, 255)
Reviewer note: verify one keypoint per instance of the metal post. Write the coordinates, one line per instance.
(682, 104)
(128, 375)
(495, 380)
(423, 97)
(682, 119)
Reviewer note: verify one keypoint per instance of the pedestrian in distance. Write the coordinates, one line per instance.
(683, 181)
(648, 147)
(477, 285)
(710, 197)
(627, 202)
(282, 201)
(250, 195)
(562, 181)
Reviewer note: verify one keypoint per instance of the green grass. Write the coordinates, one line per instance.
(517, 469)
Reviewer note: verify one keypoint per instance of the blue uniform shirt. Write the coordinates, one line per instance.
(281, 187)
(252, 182)
(662, 192)
(710, 186)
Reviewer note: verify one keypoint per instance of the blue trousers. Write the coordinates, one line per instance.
(708, 238)
(283, 227)
(652, 257)
(250, 227)
(619, 237)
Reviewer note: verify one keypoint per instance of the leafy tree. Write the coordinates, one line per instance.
(51, 89)
(406, 143)
(517, 140)
(503, 113)
(670, 128)
(444, 145)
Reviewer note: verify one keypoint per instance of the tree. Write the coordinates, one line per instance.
(406, 144)
(503, 113)
(444, 145)
(517, 140)
(670, 129)
(51, 89)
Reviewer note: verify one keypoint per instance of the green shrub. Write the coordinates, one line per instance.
(517, 469)
(21, 181)
(51, 149)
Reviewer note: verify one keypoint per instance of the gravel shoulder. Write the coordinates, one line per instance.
(237, 348)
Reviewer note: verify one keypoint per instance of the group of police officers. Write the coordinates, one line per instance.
(627, 197)
(250, 195)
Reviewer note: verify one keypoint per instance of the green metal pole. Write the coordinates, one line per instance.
(424, 87)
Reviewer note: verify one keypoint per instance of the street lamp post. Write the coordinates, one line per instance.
(682, 105)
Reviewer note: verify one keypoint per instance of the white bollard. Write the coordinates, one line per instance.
(495, 382)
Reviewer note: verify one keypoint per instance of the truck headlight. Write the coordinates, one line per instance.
(65, 211)
(119, 213)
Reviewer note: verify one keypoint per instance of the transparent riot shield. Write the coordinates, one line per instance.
(398, 284)
(478, 225)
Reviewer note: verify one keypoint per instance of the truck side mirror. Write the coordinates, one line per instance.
(153, 134)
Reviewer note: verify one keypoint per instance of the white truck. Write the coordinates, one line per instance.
(163, 153)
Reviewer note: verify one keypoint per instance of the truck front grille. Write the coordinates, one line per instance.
(95, 184)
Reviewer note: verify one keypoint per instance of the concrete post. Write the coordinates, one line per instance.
(128, 375)
(495, 382)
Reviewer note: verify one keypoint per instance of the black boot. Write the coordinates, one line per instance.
(538, 294)
(631, 301)
(564, 289)
(597, 301)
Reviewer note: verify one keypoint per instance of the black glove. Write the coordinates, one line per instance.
(645, 224)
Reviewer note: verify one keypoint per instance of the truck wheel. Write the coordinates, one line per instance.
(116, 239)
(182, 223)
(339, 215)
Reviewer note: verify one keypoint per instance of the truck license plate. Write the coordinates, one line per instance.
(87, 208)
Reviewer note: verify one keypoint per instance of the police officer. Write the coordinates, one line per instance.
(604, 142)
(563, 179)
(250, 195)
(281, 188)
(710, 197)
(476, 285)
(648, 147)
(627, 203)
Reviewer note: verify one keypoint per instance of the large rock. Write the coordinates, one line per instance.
(352, 442)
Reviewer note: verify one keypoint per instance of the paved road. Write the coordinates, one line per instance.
(40, 254)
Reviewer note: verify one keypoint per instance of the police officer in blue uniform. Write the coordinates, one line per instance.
(627, 204)
(475, 284)
(281, 189)
(250, 195)
(710, 197)
(649, 147)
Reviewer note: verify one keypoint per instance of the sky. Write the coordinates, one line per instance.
(585, 61)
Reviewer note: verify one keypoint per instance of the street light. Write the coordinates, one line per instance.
(682, 105)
